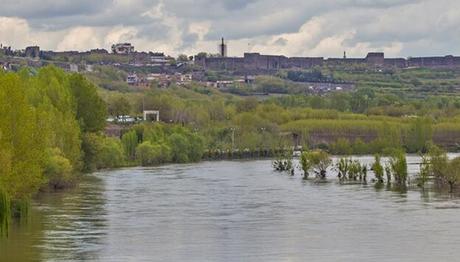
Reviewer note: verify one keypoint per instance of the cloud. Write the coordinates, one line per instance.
(290, 27)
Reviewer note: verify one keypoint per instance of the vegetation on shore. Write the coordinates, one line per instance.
(43, 118)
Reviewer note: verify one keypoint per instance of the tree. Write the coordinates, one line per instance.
(318, 161)
(201, 55)
(453, 173)
(419, 134)
(110, 154)
(130, 141)
(425, 171)
(247, 105)
(362, 99)
(343, 166)
(120, 107)
(147, 154)
(283, 162)
(21, 141)
(182, 58)
(91, 109)
(378, 169)
(179, 148)
(398, 166)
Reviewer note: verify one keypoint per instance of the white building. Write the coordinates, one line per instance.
(73, 68)
(132, 79)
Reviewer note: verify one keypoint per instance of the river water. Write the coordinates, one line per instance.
(235, 211)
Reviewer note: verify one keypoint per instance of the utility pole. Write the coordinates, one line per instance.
(233, 139)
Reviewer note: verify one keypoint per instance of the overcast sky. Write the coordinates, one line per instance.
(289, 27)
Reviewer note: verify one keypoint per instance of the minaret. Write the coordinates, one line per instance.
(223, 48)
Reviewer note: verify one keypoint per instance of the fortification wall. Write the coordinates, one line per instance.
(255, 62)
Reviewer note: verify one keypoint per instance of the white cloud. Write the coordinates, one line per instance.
(80, 38)
(290, 27)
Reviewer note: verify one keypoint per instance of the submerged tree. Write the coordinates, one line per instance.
(443, 170)
(453, 173)
(388, 173)
(283, 162)
(378, 169)
(343, 167)
(398, 165)
(318, 161)
(425, 171)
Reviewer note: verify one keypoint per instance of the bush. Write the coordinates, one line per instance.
(130, 142)
(101, 152)
(179, 148)
(110, 153)
(58, 170)
(148, 154)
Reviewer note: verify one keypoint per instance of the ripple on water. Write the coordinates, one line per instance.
(239, 211)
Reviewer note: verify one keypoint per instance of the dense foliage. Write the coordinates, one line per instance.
(43, 116)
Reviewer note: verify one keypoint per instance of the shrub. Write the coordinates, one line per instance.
(130, 141)
(58, 170)
(111, 153)
(148, 154)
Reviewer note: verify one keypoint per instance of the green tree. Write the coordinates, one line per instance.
(110, 153)
(21, 141)
(148, 154)
(420, 133)
(452, 176)
(119, 107)
(398, 166)
(318, 161)
(378, 169)
(179, 148)
(130, 141)
(91, 109)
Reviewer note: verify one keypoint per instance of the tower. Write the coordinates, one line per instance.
(223, 48)
(344, 55)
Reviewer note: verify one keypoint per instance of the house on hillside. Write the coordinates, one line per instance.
(122, 48)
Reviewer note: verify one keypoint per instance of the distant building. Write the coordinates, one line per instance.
(73, 68)
(122, 48)
(32, 51)
(158, 59)
(132, 79)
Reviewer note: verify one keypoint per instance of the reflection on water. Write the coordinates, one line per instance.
(235, 211)
(62, 227)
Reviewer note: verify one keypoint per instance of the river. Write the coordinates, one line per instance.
(234, 211)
